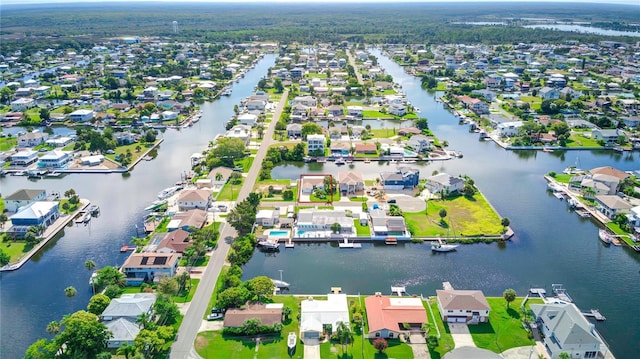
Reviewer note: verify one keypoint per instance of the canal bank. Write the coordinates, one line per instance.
(551, 245)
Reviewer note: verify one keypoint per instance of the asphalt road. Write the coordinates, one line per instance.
(183, 346)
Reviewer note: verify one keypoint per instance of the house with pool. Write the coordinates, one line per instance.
(314, 223)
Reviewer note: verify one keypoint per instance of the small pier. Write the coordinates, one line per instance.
(399, 291)
(561, 293)
(289, 243)
(346, 244)
(595, 313)
(447, 286)
(126, 248)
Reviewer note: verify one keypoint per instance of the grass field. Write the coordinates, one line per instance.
(384, 132)
(375, 114)
(230, 191)
(362, 231)
(563, 177)
(15, 249)
(445, 342)
(578, 140)
(465, 217)
(7, 143)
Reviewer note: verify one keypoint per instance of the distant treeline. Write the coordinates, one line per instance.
(305, 23)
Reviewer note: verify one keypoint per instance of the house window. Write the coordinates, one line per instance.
(590, 354)
(390, 335)
(377, 334)
(468, 311)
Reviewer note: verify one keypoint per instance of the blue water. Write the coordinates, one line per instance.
(278, 233)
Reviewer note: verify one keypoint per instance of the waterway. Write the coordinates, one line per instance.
(551, 245)
(584, 29)
(33, 296)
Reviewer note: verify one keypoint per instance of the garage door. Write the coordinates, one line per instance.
(456, 319)
(311, 335)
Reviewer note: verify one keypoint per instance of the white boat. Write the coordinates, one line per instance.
(280, 283)
(292, 339)
(340, 162)
(439, 247)
(80, 217)
(155, 204)
(93, 278)
(86, 218)
(404, 160)
(226, 92)
(168, 192)
(573, 202)
(605, 236)
(269, 245)
(559, 195)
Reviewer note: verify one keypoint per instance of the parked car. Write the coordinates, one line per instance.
(392, 200)
(214, 316)
(215, 310)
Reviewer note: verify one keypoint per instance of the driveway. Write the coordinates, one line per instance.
(419, 346)
(522, 353)
(311, 349)
(461, 335)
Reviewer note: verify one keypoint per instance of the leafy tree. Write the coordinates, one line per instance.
(261, 286)
(422, 124)
(150, 136)
(336, 227)
(242, 217)
(127, 350)
(509, 295)
(42, 349)
(145, 320)
(110, 275)
(83, 335)
(112, 290)
(442, 213)
(233, 297)
(287, 195)
(277, 84)
(166, 310)
(89, 264)
(230, 149)
(4, 258)
(310, 128)
(70, 292)
(53, 327)
(345, 335)
(168, 285)
(380, 344)
(98, 303)
(44, 114)
(505, 222)
(149, 343)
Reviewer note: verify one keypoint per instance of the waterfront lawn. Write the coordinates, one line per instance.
(72, 207)
(230, 191)
(245, 163)
(579, 140)
(623, 235)
(361, 231)
(15, 249)
(384, 132)
(375, 114)
(468, 217)
(7, 143)
(562, 177)
(445, 342)
(504, 329)
(137, 150)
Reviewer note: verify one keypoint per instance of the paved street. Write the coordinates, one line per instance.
(183, 346)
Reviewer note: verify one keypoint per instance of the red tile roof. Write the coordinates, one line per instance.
(383, 314)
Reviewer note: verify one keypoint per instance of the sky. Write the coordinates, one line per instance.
(627, 2)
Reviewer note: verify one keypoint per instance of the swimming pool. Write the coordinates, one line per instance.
(408, 153)
(273, 233)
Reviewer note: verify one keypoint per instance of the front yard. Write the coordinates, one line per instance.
(468, 217)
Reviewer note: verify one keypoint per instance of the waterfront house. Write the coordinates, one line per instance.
(267, 217)
(194, 218)
(55, 160)
(612, 205)
(315, 143)
(610, 137)
(463, 306)
(268, 314)
(248, 119)
(169, 115)
(403, 177)
(255, 105)
(294, 130)
(350, 182)
(634, 217)
(308, 184)
(384, 226)
(566, 330)
(24, 158)
(444, 183)
(59, 141)
(149, 267)
(81, 115)
(476, 105)
(509, 129)
(41, 213)
(220, 175)
(388, 317)
(315, 314)
(366, 148)
(32, 139)
(335, 111)
(397, 110)
(174, 242)
(242, 132)
(121, 315)
(355, 111)
(92, 160)
(549, 93)
(340, 148)
(608, 170)
(419, 143)
(317, 223)
(23, 197)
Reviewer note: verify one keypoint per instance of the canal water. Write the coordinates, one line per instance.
(33, 296)
(551, 245)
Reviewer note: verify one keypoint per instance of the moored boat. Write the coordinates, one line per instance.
(340, 161)
(439, 247)
(605, 236)
(280, 283)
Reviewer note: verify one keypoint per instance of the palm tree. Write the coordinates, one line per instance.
(70, 292)
(126, 350)
(89, 264)
(53, 327)
(345, 335)
(144, 319)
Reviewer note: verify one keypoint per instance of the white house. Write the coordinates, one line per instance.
(443, 182)
(308, 101)
(32, 139)
(247, 119)
(267, 217)
(612, 205)
(397, 110)
(169, 115)
(22, 104)
(41, 213)
(463, 306)
(121, 315)
(355, 111)
(55, 160)
(24, 158)
(81, 115)
(509, 129)
(633, 217)
(23, 197)
(314, 314)
(194, 199)
(419, 143)
(315, 143)
(149, 267)
(549, 93)
(566, 330)
(239, 131)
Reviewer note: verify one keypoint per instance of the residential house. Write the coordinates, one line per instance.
(476, 105)
(350, 182)
(315, 143)
(387, 317)
(313, 220)
(444, 183)
(121, 317)
(612, 205)
(268, 314)
(32, 139)
(267, 217)
(24, 158)
(463, 306)
(340, 149)
(610, 171)
(240, 131)
(255, 105)
(549, 93)
(55, 160)
(408, 131)
(23, 197)
(397, 110)
(81, 115)
(308, 184)
(150, 267)
(294, 130)
(610, 137)
(41, 213)
(296, 73)
(488, 95)
(247, 119)
(509, 129)
(566, 330)
(403, 177)
(22, 104)
(384, 226)
(631, 122)
(420, 143)
(308, 101)
(316, 313)
(366, 148)
(220, 175)
(338, 132)
(169, 115)
(174, 242)
(634, 217)
(355, 111)
(194, 218)
(335, 111)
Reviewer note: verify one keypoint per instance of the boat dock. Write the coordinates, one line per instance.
(399, 291)
(561, 293)
(346, 244)
(595, 313)
(126, 248)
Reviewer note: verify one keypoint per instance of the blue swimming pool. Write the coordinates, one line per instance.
(279, 233)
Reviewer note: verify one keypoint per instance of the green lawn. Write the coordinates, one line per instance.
(336, 198)
(230, 191)
(445, 342)
(184, 299)
(7, 143)
(245, 163)
(133, 148)
(15, 249)
(219, 284)
(375, 114)
(562, 177)
(624, 235)
(504, 330)
(384, 132)
(362, 231)
(215, 345)
(359, 349)
(469, 217)
(578, 140)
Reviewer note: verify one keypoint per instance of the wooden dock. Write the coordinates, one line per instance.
(595, 313)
